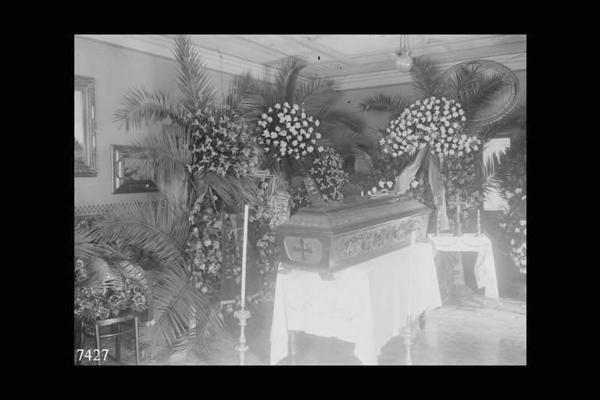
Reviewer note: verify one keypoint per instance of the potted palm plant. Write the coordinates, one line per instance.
(182, 232)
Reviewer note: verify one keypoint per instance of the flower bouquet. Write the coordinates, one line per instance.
(383, 188)
(329, 175)
(287, 131)
(433, 122)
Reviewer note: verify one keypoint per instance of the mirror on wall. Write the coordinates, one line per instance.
(85, 135)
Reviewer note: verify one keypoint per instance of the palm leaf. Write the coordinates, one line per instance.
(240, 86)
(251, 106)
(234, 191)
(456, 86)
(426, 77)
(481, 92)
(177, 302)
(87, 247)
(287, 76)
(159, 230)
(168, 156)
(385, 103)
(141, 106)
(193, 81)
(315, 94)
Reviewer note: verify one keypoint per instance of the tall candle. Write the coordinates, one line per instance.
(478, 223)
(244, 243)
(437, 223)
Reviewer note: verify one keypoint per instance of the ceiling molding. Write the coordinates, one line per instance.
(162, 46)
(516, 62)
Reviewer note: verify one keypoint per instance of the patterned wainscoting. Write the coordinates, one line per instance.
(87, 214)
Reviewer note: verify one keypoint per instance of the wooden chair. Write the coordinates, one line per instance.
(117, 335)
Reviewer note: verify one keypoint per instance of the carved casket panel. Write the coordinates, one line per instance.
(327, 239)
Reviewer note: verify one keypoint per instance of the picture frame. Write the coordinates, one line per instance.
(130, 175)
(84, 148)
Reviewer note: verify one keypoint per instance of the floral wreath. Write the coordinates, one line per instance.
(438, 123)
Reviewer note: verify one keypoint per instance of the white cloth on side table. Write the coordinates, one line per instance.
(366, 304)
(485, 266)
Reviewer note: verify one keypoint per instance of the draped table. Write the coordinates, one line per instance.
(366, 304)
(485, 266)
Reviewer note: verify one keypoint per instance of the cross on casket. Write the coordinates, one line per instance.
(303, 249)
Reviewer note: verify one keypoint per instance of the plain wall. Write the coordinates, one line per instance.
(117, 69)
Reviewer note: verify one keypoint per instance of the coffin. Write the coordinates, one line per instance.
(331, 238)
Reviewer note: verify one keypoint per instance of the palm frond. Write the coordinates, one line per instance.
(234, 191)
(316, 93)
(140, 106)
(481, 92)
(240, 86)
(426, 77)
(87, 246)
(251, 106)
(333, 118)
(457, 85)
(286, 79)
(193, 81)
(168, 156)
(384, 103)
(177, 305)
(160, 230)
(513, 124)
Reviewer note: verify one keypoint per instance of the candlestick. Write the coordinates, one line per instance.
(242, 315)
(458, 226)
(478, 223)
(244, 244)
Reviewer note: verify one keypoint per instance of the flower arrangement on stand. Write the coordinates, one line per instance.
(513, 188)
(433, 122)
(329, 175)
(108, 299)
(461, 178)
(221, 146)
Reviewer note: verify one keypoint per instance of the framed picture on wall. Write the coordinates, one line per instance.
(85, 133)
(130, 171)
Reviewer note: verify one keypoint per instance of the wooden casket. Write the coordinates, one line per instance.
(327, 239)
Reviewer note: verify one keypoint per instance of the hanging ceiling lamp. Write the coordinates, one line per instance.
(404, 62)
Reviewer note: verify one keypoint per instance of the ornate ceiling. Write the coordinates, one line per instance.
(355, 61)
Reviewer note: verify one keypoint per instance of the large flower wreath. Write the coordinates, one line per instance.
(435, 125)
(433, 122)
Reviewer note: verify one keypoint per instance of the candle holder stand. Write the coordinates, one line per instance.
(242, 315)
(409, 340)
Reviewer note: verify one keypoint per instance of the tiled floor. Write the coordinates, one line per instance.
(482, 332)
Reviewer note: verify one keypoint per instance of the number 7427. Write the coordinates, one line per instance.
(92, 355)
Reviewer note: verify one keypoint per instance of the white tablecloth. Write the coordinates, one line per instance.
(485, 266)
(366, 304)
